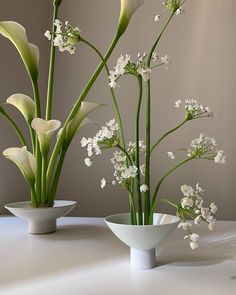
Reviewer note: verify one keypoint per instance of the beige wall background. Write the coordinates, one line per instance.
(201, 44)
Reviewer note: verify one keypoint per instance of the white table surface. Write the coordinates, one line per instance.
(84, 258)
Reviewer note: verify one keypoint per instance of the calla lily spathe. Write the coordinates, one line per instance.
(24, 160)
(29, 52)
(80, 119)
(45, 130)
(24, 104)
(128, 8)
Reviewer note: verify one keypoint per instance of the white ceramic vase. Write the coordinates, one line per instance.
(41, 220)
(142, 239)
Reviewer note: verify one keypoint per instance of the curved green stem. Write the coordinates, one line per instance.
(19, 133)
(126, 153)
(164, 177)
(166, 134)
(140, 206)
(117, 111)
(75, 109)
(51, 68)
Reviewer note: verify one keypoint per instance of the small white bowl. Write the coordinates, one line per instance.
(41, 220)
(142, 239)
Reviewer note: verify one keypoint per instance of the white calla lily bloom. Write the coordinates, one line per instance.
(128, 8)
(80, 119)
(24, 104)
(29, 53)
(24, 160)
(45, 129)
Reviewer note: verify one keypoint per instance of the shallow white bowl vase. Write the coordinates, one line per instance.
(142, 239)
(41, 220)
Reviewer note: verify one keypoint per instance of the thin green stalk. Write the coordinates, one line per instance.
(37, 148)
(10, 120)
(168, 202)
(126, 153)
(140, 206)
(148, 130)
(132, 208)
(32, 136)
(44, 172)
(53, 189)
(51, 67)
(116, 107)
(167, 133)
(36, 98)
(38, 171)
(34, 199)
(164, 177)
(76, 108)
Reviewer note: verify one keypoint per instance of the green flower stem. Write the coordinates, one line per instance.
(76, 108)
(133, 217)
(10, 120)
(168, 202)
(148, 130)
(116, 107)
(140, 206)
(56, 178)
(51, 67)
(126, 153)
(166, 134)
(38, 171)
(37, 148)
(44, 172)
(34, 199)
(163, 178)
(36, 97)
(32, 136)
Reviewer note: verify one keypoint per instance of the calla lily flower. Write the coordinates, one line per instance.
(24, 160)
(80, 119)
(24, 104)
(29, 52)
(45, 130)
(128, 8)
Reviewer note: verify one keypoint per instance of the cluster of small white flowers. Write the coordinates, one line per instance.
(173, 5)
(206, 147)
(119, 70)
(124, 65)
(171, 155)
(193, 202)
(65, 41)
(106, 135)
(122, 172)
(194, 109)
(132, 147)
(165, 61)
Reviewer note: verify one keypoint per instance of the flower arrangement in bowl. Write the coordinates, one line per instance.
(143, 229)
(41, 160)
